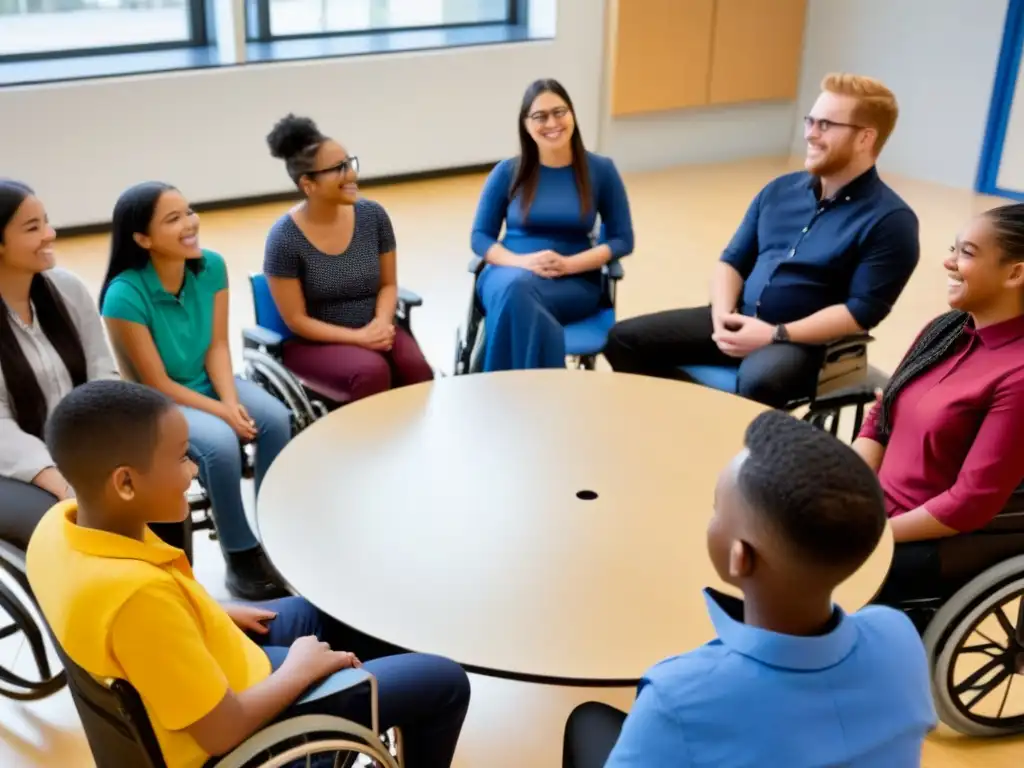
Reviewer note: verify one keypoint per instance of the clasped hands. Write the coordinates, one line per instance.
(546, 264)
(378, 335)
(738, 335)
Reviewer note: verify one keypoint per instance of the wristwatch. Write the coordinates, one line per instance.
(780, 334)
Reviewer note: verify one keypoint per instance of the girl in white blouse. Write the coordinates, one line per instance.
(51, 340)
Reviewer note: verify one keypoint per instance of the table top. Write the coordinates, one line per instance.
(544, 525)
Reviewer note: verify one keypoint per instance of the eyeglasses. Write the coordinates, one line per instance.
(541, 117)
(349, 163)
(823, 124)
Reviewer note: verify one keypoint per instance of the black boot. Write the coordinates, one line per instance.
(251, 576)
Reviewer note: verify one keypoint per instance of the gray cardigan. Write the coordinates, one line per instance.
(23, 456)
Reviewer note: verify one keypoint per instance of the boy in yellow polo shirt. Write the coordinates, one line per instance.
(123, 604)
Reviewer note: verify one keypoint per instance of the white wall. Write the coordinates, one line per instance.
(939, 58)
(81, 143)
(693, 136)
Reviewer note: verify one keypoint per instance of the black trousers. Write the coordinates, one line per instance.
(22, 506)
(915, 573)
(591, 732)
(657, 344)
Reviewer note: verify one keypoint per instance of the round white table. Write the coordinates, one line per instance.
(545, 526)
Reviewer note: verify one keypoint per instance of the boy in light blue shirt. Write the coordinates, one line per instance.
(791, 681)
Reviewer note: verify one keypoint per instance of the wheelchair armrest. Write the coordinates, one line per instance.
(852, 345)
(409, 299)
(257, 337)
(613, 270)
(476, 265)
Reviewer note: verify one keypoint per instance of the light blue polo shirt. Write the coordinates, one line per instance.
(182, 325)
(858, 697)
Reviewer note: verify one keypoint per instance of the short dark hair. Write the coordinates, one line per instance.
(813, 491)
(103, 425)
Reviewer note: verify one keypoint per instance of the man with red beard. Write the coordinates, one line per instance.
(821, 254)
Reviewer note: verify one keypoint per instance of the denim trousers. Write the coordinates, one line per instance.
(215, 448)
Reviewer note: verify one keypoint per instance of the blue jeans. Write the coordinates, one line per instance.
(215, 448)
(425, 696)
(526, 315)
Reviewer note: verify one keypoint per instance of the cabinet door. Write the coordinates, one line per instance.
(661, 54)
(757, 48)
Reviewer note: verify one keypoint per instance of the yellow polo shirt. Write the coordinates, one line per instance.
(132, 610)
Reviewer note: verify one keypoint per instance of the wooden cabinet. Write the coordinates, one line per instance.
(756, 52)
(662, 55)
(674, 54)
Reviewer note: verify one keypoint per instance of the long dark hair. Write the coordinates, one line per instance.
(26, 398)
(133, 214)
(528, 167)
(941, 335)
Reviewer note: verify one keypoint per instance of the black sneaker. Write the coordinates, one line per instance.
(251, 577)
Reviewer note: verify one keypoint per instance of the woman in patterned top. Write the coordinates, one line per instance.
(330, 264)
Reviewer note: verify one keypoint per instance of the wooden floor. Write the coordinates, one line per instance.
(682, 217)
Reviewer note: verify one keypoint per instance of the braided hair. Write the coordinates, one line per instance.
(941, 335)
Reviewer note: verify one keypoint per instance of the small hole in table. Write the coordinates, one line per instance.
(586, 495)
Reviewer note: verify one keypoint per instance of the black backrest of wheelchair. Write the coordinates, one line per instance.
(115, 721)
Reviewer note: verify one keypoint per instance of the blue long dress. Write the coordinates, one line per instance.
(526, 313)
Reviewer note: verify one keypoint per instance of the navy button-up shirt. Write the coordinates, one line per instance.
(799, 254)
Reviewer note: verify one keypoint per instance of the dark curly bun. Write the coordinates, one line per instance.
(291, 135)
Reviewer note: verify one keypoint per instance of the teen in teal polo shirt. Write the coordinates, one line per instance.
(165, 302)
(791, 680)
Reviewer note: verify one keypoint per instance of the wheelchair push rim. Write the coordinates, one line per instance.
(977, 645)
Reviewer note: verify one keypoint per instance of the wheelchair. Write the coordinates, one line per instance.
(306, 400)
(263, 355)
(969, 608)
(844, 381)
(119, 731)
(584, 339)
(16, 602)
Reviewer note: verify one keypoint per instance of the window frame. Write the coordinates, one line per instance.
(199, 27)
(257, 24)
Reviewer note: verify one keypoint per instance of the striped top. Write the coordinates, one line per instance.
(23, 456)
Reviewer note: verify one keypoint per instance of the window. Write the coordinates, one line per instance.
(303, 18)
(38, 28)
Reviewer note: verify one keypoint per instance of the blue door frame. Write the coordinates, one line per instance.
(1002, 102)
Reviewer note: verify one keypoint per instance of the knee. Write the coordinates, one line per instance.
(216, 448)
(519, 289)
(276, 419)
(763, 388)
(620, 343)
(372, 377)
(450, 677)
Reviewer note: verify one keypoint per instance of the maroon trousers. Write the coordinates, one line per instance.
(344, 372)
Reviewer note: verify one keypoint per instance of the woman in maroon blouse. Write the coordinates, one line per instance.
(947, 435)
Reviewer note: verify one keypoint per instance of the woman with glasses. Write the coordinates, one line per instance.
(331, 266)
(545, 271)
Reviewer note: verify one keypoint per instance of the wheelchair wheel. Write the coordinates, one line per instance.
(17, 605)
(268, 373)
(976, 645)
